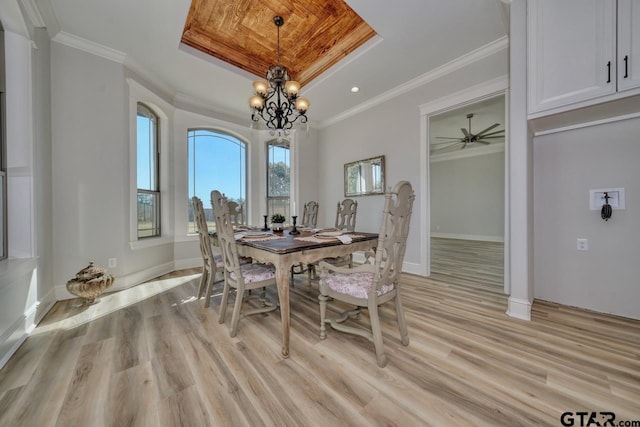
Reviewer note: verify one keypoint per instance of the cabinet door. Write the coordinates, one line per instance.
(571, 51)
(628, 44)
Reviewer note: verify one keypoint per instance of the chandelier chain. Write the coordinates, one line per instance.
(276, 100)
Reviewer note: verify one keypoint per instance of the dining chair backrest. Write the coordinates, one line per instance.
(392, 239)
(236, 213)
(203, 229)
(225, 235)
(310, 214)
(346, 215)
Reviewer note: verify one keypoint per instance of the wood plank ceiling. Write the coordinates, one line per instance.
(316, 34)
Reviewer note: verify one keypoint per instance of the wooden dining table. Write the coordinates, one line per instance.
(289, 250)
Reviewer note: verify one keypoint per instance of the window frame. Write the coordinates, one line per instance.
(155, 119)
(282, 201)
(4, 199)
(230, 138)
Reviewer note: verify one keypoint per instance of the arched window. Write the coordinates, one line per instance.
(148, 160)
(217, 161)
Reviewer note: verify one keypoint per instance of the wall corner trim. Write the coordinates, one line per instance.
(518, 308)
(89, 47)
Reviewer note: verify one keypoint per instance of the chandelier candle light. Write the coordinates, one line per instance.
(276, 100)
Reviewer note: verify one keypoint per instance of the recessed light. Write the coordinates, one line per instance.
(355, 89)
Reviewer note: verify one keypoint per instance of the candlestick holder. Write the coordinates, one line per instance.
(265, 228)
(294, 230)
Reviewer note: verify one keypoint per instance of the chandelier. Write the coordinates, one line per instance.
(276, 100)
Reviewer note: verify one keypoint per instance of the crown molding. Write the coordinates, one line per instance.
(90, 47)
(451, 66)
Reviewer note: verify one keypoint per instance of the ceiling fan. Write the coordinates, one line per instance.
(482, 137)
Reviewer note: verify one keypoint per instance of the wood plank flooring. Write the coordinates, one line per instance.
(468, 261)
(153, 356)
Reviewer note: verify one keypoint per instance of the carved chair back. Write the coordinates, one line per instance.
(346, 215)
(392, 240)
(203, 230)
(236, 212)
(225, 234)
(310, 214)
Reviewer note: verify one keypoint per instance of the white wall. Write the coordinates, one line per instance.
(89, 107)
(393, 129)
(568, 164)
(467, 198)
(93, 112)
(26, 291)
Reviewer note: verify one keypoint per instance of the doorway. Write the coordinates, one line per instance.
(466, 212)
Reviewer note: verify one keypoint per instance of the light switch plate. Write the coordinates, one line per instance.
(616, 198)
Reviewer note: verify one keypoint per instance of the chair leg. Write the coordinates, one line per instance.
(323, 315)
(311, 273)
(203, 281)
(236, 312)
(223, 302)
(402, 325)
(211, 277)
(377, 336)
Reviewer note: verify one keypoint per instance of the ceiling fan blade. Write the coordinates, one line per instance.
(466, 132)
(492, 133)
(492, 137)
(446, 148)
(445, 137)
(483, 142)
(488, 129)
(446, 142)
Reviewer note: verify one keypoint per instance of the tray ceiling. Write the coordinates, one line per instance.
(242, 33)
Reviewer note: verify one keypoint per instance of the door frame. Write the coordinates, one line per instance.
(490, 89)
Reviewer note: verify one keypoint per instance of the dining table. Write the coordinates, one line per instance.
(284, 250)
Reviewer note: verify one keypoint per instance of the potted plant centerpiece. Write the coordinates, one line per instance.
(277, 222)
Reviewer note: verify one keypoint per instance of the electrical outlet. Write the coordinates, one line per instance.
(583, 244)
(112, 262)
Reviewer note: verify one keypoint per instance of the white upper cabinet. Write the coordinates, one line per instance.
(628, 44)
(571, 51)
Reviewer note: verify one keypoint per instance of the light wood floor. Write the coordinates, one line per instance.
(153, 356)
(467, 261)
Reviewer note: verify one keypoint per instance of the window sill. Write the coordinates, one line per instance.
(149, 242)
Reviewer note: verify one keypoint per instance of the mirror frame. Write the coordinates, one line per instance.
(359, 163)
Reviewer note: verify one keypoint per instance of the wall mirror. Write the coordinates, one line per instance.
(364, 177)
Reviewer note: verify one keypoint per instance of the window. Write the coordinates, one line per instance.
(217, 161)
(278, 177)
(3, 155)
(148, 175)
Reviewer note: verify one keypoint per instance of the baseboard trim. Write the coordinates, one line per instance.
(478, 237)
(20, 329)
(133, 279)
(407, 267)
(518, 308)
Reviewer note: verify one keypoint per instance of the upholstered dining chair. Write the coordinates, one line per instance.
(241, 277)
(310, 214)
(211, 262)
(346, 221)
(371, 285)
(346, 215)
(310, 220)
(237, 213)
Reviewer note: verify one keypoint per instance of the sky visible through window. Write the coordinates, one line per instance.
(144, 153)
(217, 161)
